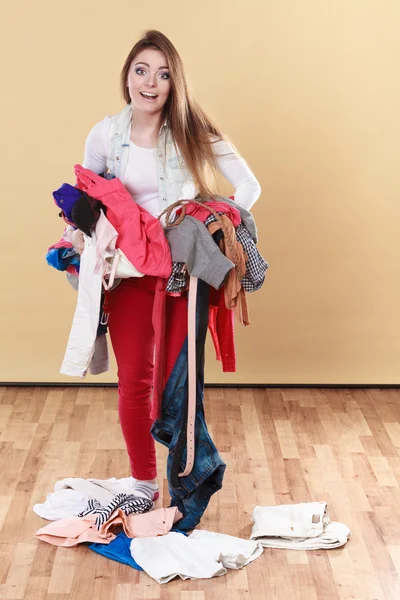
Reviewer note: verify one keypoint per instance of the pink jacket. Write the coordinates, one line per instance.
(140, 235)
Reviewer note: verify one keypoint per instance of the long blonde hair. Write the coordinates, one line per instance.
(192, 131)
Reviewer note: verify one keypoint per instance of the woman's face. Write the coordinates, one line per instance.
(149, 81)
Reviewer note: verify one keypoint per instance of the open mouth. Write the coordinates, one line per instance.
(149, 96)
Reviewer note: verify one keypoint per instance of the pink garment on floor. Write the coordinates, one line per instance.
(202, 213)
(150, 524)
(72, 531)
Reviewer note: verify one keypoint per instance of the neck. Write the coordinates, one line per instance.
(145, 123)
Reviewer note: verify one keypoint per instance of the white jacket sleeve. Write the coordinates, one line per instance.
(234, 168)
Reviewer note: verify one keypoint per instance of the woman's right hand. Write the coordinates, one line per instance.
(77, 240)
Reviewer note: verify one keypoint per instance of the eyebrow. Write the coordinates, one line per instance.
(147, 65)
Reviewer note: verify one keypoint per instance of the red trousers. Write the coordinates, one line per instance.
(130, 308)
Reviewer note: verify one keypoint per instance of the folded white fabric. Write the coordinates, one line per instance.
(333, 536)
(202, 555)
(304, 526)
(231, 551)
(60, 504)
(290, 520)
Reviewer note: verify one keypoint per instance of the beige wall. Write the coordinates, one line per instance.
(309, 92)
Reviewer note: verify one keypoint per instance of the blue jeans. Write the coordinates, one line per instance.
(191, 494)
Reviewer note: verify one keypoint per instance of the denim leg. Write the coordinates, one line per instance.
(191, 493)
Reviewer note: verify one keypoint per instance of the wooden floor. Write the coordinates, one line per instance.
(280, 446)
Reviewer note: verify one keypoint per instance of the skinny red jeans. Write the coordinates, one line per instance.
(130, 308)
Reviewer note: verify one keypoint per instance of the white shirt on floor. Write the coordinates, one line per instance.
(60, 504)
(202, 555)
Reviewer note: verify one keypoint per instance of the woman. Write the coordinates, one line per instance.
(163, 148)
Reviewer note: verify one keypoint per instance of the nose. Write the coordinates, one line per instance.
(151, 80)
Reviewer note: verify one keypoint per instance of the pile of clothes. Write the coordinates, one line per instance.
(111, 520)
(215, 242)
(206, 252)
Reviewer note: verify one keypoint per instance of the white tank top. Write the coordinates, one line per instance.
(141, 178)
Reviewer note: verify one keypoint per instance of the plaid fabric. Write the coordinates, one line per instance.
(178, 280)
(256, 266)
(211, 219)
